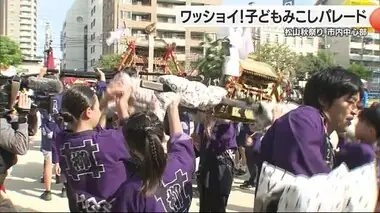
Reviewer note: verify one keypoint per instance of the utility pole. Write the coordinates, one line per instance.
(362, 52)
(48, 41)
(255, 33)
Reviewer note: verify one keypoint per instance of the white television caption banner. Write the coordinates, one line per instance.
(213, 16)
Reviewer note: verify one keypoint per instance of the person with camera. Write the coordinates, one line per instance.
(14, 139)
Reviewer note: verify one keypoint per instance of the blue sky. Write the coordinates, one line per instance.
(54, 11)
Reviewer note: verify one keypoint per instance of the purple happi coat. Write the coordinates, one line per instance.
(175, 193)
(223, 137)
(94, 165)
(296, 143)
(355, 154)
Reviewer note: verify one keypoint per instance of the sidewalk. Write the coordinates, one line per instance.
(24, 188)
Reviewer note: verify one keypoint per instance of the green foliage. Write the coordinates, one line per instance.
(109, 62)
(211, 66)
(279, 56)
(172, 68)
(10, 53)
(314, 63)
(360, 70)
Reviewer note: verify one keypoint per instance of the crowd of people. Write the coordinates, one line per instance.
(115, 160)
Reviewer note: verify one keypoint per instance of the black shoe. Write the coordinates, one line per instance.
(57, 179)
(42, 180)
(246, 185)
(46, 196)
(240, 172)
(63, 192)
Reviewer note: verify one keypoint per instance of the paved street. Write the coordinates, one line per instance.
(24, 188)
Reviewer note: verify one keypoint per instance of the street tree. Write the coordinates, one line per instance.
(211, 65)
(360, 70)
(310, 63)
(10, 53)
(279, 56)
(109, 62)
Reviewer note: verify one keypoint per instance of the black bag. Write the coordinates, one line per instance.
(7, 160)
(32, 122)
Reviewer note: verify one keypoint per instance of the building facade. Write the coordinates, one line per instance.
(275, 35)
(74, 37)
(95, 32)
(349, 50)
(18, 20)
(137, 14)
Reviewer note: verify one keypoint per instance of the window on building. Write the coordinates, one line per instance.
(92, 36)
(276, 39)
(285, 40)
(294, 41)
(93, 49)
(355, 51)
(93, 10)
(301, 41)
(93, 23)
(267, 38)
(310, 41)
(171, 20)
(125, 15)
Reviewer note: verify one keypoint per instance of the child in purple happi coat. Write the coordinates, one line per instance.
(91, 158)
(157, 182)
(368, 132)
(252, 145)
(47, 129)
(217, 139)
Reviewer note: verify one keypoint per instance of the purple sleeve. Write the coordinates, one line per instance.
(180, 144)
(45, 122)
(295, 143)
(355, 154)
(101, 86)
(54, 150)
(118, 150)
(257, 142)
(305, 147)
(224, 137)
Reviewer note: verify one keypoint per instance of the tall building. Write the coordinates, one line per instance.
(349, 50)
(3, 17)
(95, 32)
(18, 20)
(137, 14)
(74, 37)
(275, 35)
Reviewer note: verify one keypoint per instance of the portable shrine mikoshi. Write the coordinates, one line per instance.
(137, 54)
(257, 82)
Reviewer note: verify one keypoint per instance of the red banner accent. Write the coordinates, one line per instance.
(132, 46)
(169, 52)
(50, 60)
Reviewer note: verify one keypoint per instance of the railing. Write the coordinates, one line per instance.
(364, 57)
